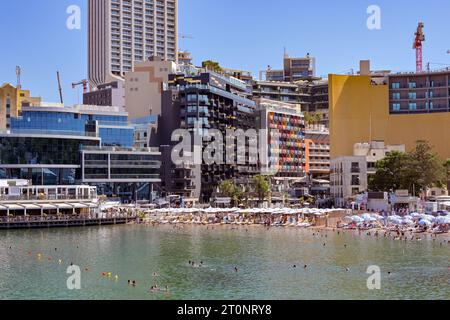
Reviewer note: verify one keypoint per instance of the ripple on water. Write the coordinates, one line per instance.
(265, 260)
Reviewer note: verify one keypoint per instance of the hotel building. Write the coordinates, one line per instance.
(199, 104)
(122, 32)
(284, 127)
(399, 109)
(57, 145)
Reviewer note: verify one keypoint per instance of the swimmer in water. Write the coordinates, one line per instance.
(236, 269)
(347, 269)
(306, 266)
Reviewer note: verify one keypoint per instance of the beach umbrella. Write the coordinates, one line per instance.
(443, 220)
(425, 222)
(394, 217)
(347, 219)
(408, 217)
(357, 219)
(407, 222)
(428, 217)
(415, 215)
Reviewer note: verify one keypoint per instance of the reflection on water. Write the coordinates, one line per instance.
(264, 258)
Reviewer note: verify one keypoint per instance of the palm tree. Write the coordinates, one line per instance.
(261, 186)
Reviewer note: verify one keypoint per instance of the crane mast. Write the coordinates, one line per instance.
(418, 45)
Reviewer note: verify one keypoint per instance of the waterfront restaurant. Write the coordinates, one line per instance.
(20, 198)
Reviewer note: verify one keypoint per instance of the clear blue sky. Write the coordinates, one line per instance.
(246, 34)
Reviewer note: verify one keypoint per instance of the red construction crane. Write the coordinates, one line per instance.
(82, 82)
(420, 37)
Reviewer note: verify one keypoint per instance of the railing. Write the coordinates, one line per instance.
(45, 197)
(54, 132)
(119, 149)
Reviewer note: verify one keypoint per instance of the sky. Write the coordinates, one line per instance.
(240, 34)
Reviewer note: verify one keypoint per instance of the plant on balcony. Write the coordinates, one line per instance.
(212, 65)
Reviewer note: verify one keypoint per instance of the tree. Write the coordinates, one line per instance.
(309, 119)
(447, 173)
(415, 171)
(261, 186)
(212, 65)
(390, 173)
(229, 189)
(424, 169)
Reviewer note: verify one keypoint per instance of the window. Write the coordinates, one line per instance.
(395, 85)
(412, 85)
(396, 106)
(396, 96)
(412, 95)
(413, 106)
(355, 180)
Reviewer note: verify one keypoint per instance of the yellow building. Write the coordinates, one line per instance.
(12, 100)
(364, 109)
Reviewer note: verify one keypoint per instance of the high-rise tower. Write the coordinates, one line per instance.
(122, 32)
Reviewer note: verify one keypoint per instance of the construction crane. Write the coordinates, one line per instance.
(18, 74)
(83, 82)
(420, 37)
(59, 87)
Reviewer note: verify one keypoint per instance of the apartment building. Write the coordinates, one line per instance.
(122, 32)
(294, 69)
(348, 178)
(426, 92)
(397, 109)
(200, 104)
(317, 151)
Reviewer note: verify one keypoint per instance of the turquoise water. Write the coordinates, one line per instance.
(264, 258)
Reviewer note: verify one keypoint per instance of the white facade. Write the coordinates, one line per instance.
(348, 178)
(124, 31)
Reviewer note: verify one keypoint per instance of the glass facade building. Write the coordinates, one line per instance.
(110, 125)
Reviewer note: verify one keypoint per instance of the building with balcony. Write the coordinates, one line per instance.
(348, 178)
(362, 109)
(200, 104)
(122, 32)
(294, 69)
(317, 152)
(350, 175)
(284, 130)
(49, 144)
(285, 92)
